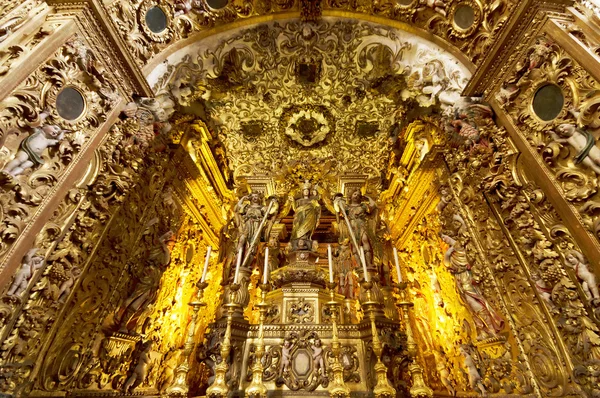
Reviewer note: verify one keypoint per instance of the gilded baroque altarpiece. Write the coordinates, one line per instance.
(423, 173)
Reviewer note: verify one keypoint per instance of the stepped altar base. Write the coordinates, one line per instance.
(298, 337)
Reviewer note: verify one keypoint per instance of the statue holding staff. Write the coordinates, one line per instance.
(251, 215)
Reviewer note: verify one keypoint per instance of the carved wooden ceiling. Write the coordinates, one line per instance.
(317, 87)
(311, 98)
(467, 25)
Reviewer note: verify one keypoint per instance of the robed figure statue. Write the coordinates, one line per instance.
(307, 212)
(487, 320)
(250, 215)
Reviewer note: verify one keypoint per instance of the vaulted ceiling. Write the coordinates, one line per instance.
(316, 97)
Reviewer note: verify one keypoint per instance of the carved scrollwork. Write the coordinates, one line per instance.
(364, 96)
(42, 143)
(301, 311)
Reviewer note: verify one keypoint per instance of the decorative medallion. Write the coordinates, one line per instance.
(307, 125)
(301, 312)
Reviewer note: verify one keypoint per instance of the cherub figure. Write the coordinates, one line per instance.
(286, 357)
(473, 375)
(582, 141)
(443, 372)
(445, 198)
(507, 93)
(141, 369)
(539, 53)
(578, 263)
(317, 356)
(31, 263)
(543, 290)
(32, 147)
(66, 286)
(182, 7)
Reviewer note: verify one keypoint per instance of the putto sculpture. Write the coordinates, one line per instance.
(587, 279)
(32, 147)
(31, 263)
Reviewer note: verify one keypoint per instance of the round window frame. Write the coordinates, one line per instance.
(217, 9)
(535, 90)
(163, 36)
(459, 32)
(84, 111)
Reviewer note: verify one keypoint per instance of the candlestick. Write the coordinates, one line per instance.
(419, 387)
(237, 266)
(257, 388)
(266, 270)
(330, 263)
(219, 387)
(208, 249)
(337, 387)
(397, 265)
(364, 263)
(179, 385)
(382, 388)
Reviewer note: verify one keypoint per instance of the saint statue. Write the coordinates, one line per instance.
(249, 214)
(348, 281)
(307, 212)
(148, 283)
(486, 318)
(361, 212)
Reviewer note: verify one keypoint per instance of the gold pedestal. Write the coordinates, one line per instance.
(419, 389)
(179, 386)
(219, 387)
(383, 388)
(257, 388)
(338, 387)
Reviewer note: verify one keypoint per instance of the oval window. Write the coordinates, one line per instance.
(156, 19)
(464, 16)
(548, 102)
(70, 103)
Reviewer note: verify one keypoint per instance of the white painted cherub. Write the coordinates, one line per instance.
(31, 263)
(286, 356)
(443, 372)
(582, 141)
(475, 380)
(578, 263)
(182, 7)
(32, 147)
(317, 356)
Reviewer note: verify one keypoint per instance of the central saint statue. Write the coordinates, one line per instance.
(307, 212)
